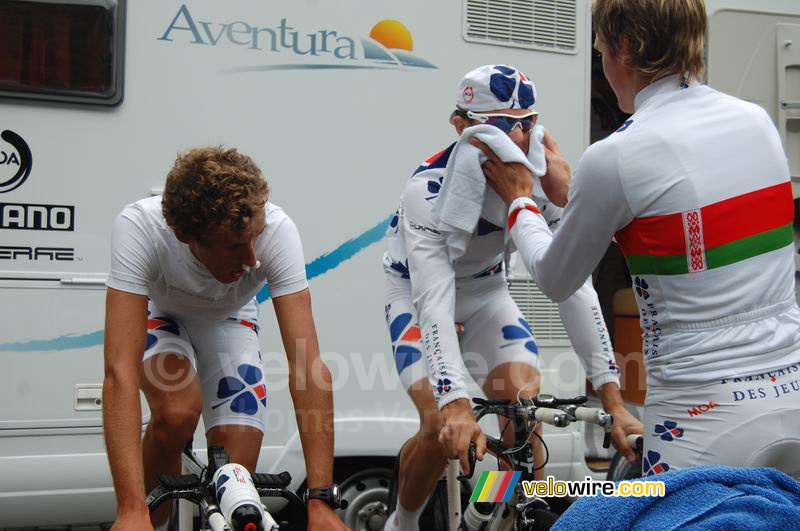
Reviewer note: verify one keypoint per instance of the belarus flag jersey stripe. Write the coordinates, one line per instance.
(714, 236)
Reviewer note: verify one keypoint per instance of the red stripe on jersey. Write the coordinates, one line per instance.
(723, 222)
(747, 215)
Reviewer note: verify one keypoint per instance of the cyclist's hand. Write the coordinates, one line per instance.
(557, 180)
(322, 518)
(625, 424)
(132, 522)
(459, 429)
(509, 179)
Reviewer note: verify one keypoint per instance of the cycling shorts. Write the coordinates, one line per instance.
(495, 331)
(226, 357)
(750, 421)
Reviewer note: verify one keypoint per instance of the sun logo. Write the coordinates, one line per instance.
(390, 42)
(393, 35)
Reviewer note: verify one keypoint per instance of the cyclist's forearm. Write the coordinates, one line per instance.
(583, 320)
(433, 292)
(122, 429)
(313, 404)
(610, 397)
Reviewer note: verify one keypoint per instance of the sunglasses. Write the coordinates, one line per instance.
(505, 123)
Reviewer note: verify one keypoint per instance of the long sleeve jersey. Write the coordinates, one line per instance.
(416, 251)
(695, 187)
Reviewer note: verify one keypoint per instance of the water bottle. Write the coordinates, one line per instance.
(477, 515)
(238, 498)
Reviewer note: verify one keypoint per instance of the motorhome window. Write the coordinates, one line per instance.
(63, 51)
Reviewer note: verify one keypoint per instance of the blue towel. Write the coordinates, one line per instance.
(719, 498)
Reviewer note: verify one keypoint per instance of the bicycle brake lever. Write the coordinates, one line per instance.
(472, 458)
(607, 428)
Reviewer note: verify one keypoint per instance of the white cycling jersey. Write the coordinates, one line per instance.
(147, 259)
(695, 186)
(417, 253)
(192, 314)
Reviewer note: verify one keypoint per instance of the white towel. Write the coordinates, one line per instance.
(464, 196)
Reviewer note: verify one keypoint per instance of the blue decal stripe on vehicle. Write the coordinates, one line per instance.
(317, 267)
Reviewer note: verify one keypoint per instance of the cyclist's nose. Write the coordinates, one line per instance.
(249, 258)
(516, 135)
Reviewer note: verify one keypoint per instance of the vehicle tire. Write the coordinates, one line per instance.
(620, 469)
(365, 499)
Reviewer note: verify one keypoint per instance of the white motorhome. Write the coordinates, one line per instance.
(337, 102)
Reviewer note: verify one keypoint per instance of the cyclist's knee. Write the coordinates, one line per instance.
(175, 422)
(511, 380)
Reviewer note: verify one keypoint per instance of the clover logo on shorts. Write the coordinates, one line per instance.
(160, 323)
(523, 332)
(651, 465)
(443, 386)
(669, 431)
(243, 393)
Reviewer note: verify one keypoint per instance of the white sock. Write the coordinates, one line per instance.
(403, 519)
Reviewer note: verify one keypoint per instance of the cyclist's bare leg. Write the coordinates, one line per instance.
(422, 460)
(170, 384)
(505, 383)
(243, 443)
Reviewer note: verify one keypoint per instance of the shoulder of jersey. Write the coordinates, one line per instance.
(148, 207)
(274, 214)
(437, 161)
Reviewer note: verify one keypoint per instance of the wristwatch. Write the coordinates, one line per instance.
(329, 495)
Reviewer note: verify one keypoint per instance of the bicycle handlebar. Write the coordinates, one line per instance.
(593, 415)
(540, 400)
(554, 417)
(636, 441)
(199, 489)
